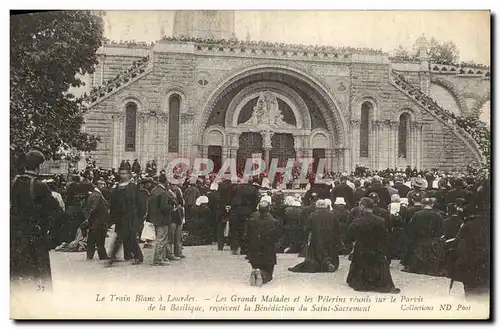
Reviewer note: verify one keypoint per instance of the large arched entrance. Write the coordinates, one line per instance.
(308, 118)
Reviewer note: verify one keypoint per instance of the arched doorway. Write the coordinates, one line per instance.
(250, 146)
(299, 97)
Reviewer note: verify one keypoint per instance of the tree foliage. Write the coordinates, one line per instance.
(47, 52)
(446, 52)
(443, 52)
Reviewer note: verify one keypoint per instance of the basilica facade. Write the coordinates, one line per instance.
(202, 93)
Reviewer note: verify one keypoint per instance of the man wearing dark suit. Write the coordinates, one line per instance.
(262, 232)
(160, 206)
(402, 188)
(382, 192)
(343, 191)
(124, 213)
(243, 203)
(358, 193)
(31, 209)
(96, 211)
(178, 219)
(369, 269)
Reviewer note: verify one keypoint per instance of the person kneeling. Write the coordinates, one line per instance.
(323, 243)
(369, 270)
(262, 231)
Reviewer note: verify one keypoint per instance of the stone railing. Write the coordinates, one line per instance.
(461, 69)
(128, 44)
(127, 76)
(272, 48)
(471, 128)
(404, 58)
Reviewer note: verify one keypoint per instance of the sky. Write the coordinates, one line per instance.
(385, 30)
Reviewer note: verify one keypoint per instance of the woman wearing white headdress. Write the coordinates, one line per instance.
(265, 198)
(199, 227)
(292, 228)
(328, 204)
(289, 200)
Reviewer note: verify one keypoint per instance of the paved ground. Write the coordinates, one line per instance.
(207, 264)
(210, 278)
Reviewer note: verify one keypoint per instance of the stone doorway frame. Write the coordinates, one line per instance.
(334, 115)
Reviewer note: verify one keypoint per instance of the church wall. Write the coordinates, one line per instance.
(180, 73)
(99, 122)
(177, 76)
(467, 87)
(371, 83)
(445, 99)
(442, 149)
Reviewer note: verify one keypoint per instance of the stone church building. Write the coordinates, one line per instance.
(203, 93)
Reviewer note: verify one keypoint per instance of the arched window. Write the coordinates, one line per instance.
(174, 103)
(404, 123)
(130, 126)
(364, 129)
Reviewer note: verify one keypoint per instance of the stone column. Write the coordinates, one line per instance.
(114, 139)
(121, 137)
(393, 131)
(298, 145)
(231, 150)
(140, 139)
(418, 128)
(163, 139)
(149, 137)
(339, 155)
(266, 145)
(347, 157)
(376, 126)
(185, 134)
(204, 151)
(157, 141)
(412, 151)
(355, 125)
(167, 136)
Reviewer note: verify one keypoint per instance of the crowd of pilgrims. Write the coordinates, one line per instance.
(433, 224)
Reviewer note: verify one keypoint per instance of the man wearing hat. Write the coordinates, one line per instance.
(124, 213)
(160, 207)
(425, 229)
(406, 215)
(145, 186)
(136, 167)
(96, 212)
(32, 207)
(418, 187)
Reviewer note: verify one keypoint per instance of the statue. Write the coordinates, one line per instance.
(267, 113)
(267, 139)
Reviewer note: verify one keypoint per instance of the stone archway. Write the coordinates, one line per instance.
(313, 105)
(331, 110)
